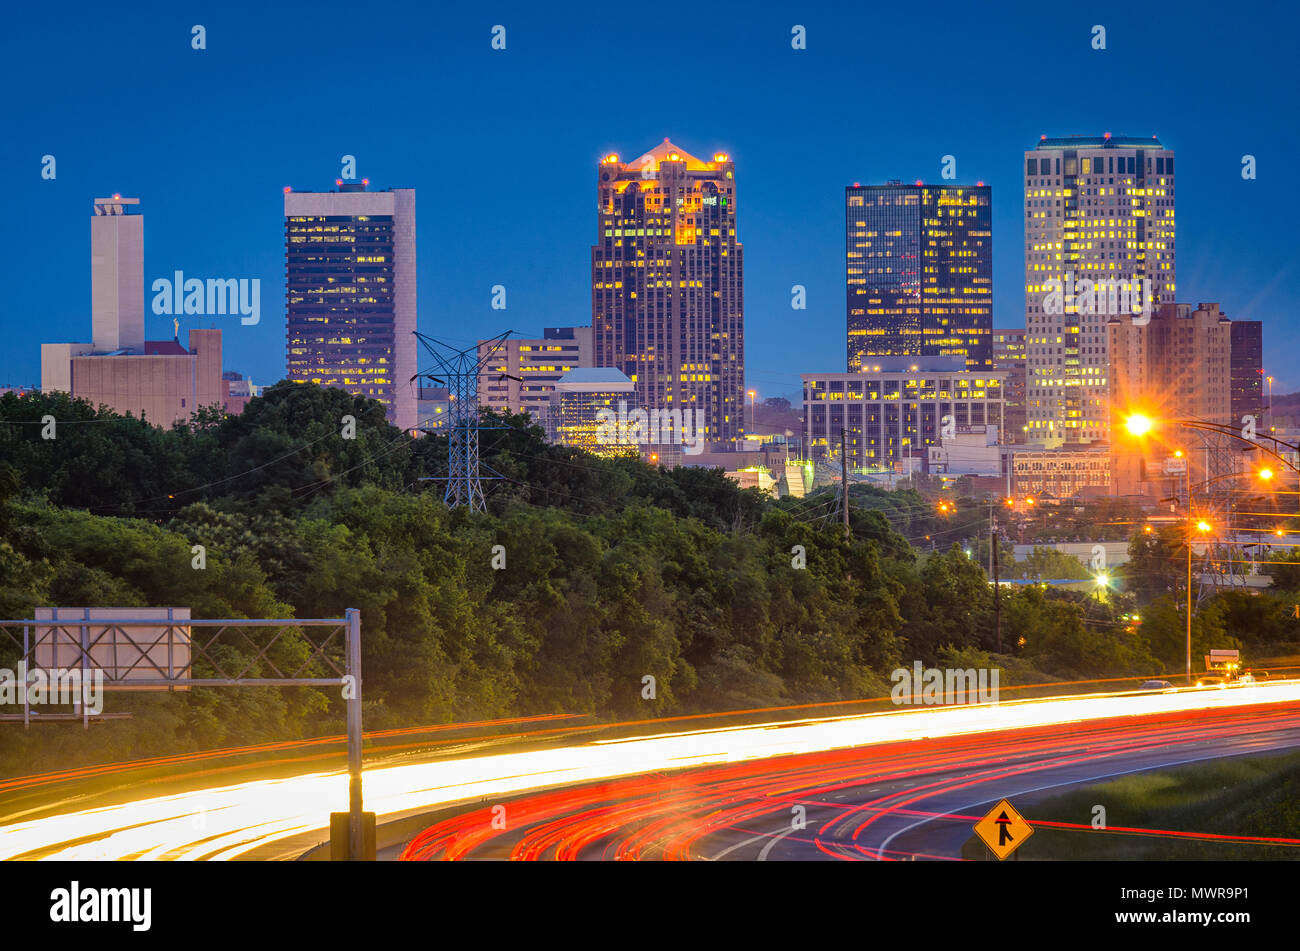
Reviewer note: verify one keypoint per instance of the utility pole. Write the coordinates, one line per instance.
(844, 483)
(1188, 470)
(997, 600)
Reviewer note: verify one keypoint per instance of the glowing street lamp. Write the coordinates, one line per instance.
(1139, 424)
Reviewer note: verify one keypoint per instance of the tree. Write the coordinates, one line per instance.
(1048, 564)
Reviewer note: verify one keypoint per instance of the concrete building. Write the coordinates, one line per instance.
(520, 374)
(1009, 356)
(667, 289)
(1187, 363)
(1063, 472)
(160, 381)
(969, 451)
(236, 391)
(1099, 243)
(895, 409)
(350, 293)
(919, 272)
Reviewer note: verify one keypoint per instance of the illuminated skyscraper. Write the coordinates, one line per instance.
(350, 293)
(1099, 242)
(667, 294)
(919, 272)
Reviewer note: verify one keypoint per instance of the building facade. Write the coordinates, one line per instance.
(895, 410)
(667, 289)
(350, 293)
(1099, 242)
(159, 381)
(1009, 357)
(519, 375)
(1187, 363)
(1248, 370)
(1062, 473)
(919, 272)
(582, 403)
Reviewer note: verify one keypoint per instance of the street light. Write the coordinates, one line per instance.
(751, 394)
(1139, 424)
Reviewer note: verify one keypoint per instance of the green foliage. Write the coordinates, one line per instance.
(614, 572)
(1048, 564)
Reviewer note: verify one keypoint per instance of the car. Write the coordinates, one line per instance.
(1212, 682)
(1163, 686)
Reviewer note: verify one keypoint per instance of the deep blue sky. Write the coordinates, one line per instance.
(502, 146)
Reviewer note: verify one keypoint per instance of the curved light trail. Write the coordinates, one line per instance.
(230, 821)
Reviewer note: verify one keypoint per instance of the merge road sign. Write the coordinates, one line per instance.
(1003, 830)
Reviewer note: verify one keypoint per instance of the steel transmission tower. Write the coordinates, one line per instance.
(458, 371)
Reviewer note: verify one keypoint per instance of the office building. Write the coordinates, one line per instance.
(1187, 363)
(520, 373)
(893, 410)
(1009, 356)
(919, 272)
(589, 410)
(1248, 371)
(350, 293)
(667, 293)
(1099, 243)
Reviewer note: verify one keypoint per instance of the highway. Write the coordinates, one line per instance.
(893, 802)
(847, 768)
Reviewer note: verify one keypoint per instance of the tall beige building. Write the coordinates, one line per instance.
(160, 381)
(1178, 366)
(1099, 243)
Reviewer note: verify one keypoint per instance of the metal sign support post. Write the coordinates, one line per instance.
(354, 734)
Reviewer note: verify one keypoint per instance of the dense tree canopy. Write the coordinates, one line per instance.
(585, 577)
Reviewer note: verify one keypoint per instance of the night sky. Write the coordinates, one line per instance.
(502, 146)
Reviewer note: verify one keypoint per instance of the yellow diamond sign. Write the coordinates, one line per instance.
(1003, 830)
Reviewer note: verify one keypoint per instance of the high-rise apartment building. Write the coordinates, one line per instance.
(350, 293)
(667, 291)
(919, 272)
(519, 375)
(1099, 243)
(1009, 356)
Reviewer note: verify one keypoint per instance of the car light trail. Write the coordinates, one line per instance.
(229, 821)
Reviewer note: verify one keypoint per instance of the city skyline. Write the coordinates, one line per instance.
(791, 222)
